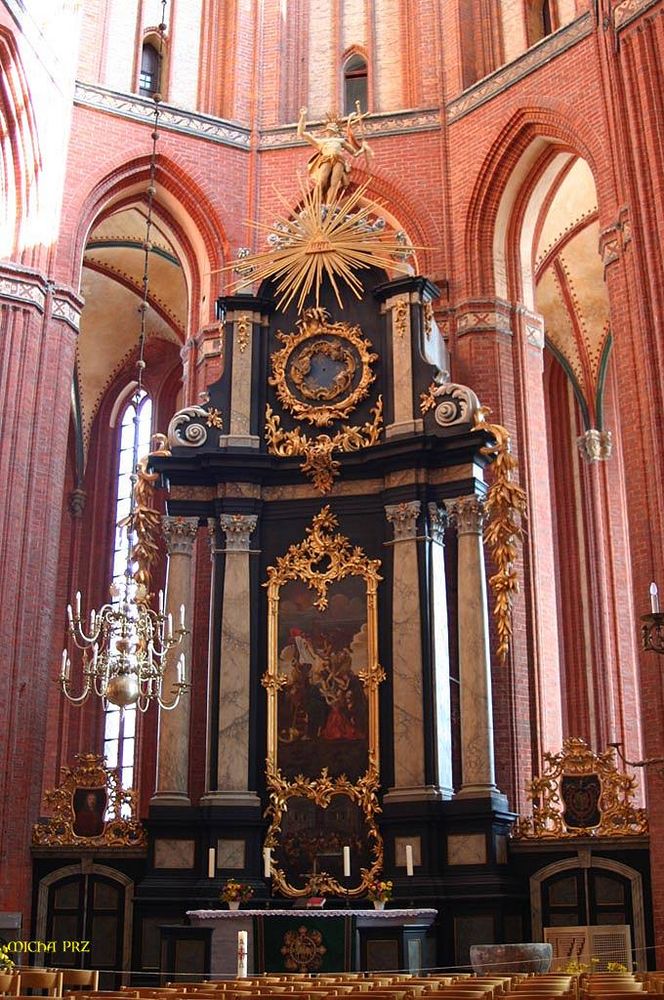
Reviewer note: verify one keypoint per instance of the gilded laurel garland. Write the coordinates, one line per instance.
(581, 794)
(90, 808)
(145, 524)
(323, 558)
(242, 331)
(506, 507)
(320, 402)
(317, 451)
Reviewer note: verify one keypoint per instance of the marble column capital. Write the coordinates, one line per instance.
(438, 520)
(180, 534)
(403, 518)
(467, 514)
(238, 528)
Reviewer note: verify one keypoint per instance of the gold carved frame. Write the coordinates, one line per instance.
(90, 774)
(338, 341)
(618, 816)
(322, 558)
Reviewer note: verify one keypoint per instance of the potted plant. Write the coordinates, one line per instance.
(379, 892)
(235, 893)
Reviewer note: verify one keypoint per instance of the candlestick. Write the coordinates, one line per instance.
(212, 862)
(241, 954)
(346, 862)
(409, 859)
(654, 599)
(267, 862)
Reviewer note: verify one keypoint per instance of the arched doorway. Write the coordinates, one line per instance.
(90, 906)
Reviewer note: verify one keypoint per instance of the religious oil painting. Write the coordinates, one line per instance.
(322, 709)
(322, 682)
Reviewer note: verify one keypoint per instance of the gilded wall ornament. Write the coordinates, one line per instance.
(322, 711)
(88, 807)
(581, 794)
(323, 370)
(318, 463)
(506, 508)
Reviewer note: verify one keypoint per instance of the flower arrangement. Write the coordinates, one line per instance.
(6, 963)
(236, 892)
(576, 968)
(615, 967)
(379, 890)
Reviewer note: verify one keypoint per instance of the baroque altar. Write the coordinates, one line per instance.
(306, 940)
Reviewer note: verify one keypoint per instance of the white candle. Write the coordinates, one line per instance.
(212, 862)
(654, 599)
(170, 625)
(78, 604)
(346, 862)
(241, 954)
(267, 862)
(182, 616)
(409, 859)
(161, 602)
(63, 668)
(181, 670)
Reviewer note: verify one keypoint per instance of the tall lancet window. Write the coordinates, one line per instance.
(149, 80)
(355, 84)
(120, 727)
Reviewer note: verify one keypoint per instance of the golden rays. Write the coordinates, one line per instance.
(323, 240)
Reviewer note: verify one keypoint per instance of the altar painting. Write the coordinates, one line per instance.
(323, 710)
(322, 768)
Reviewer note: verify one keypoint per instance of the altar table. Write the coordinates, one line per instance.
(279, 939)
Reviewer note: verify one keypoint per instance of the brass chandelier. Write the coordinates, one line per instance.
(127, 646)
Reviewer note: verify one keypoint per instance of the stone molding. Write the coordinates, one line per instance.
(180, 534)
(172, 118)
(386, 123)
(26, 287)
(492, 316)
(467, 514)
(238, 528)
(537, 55)
(403, 518)
(626, 11)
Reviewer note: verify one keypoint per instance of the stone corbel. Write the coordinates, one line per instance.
(595, 445)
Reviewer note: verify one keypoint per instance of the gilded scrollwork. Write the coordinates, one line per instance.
(319, 463)
(581, 794)
(90, 808)
(322, 559)
(300, 391)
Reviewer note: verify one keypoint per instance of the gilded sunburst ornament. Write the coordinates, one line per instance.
(333, 239)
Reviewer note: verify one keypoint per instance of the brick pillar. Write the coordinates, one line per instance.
(498, 350)
(38, 328)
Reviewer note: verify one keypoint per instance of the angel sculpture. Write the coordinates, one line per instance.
(330, 167)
